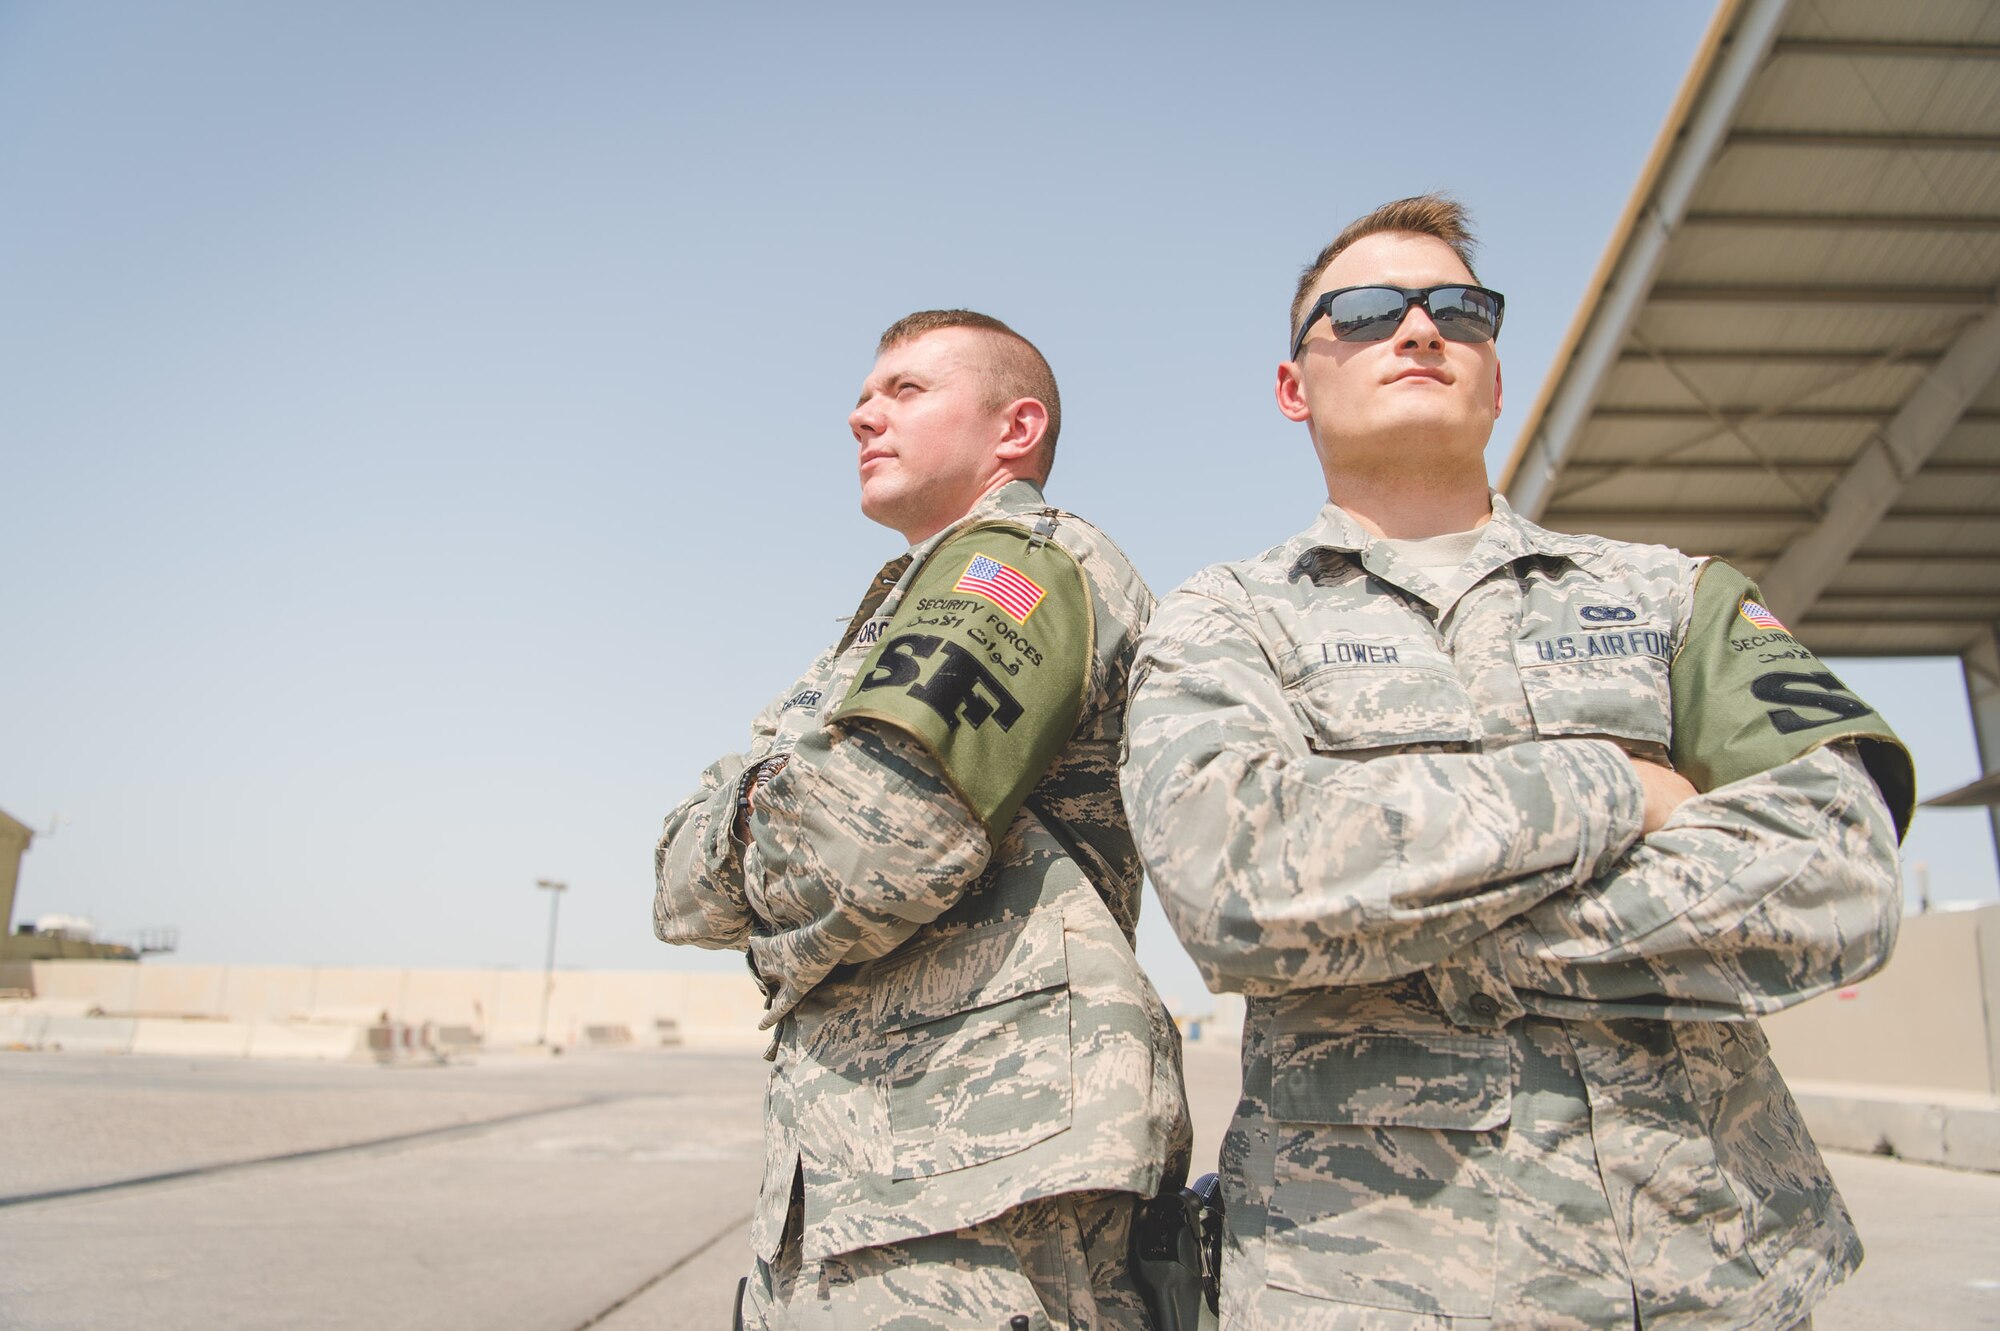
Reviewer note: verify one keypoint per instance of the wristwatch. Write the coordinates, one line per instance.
(753, 776)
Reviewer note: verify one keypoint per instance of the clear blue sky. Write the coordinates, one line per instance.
(422, 428)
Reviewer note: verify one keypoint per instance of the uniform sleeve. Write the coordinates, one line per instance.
(1749, 697)
(883, 818)
(1281, 868)
(1753, 897)
(697, 865)
(1776, 883)
(864, 842)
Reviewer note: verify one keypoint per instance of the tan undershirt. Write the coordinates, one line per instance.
(1442, 558)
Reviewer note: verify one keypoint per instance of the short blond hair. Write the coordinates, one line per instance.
(1436, 215)
(1017, 369)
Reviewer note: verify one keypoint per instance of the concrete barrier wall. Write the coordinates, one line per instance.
(1929, 1020)
(184, 1037)
(191, 1039)
(1924, 1030)
(89, 1035)
(327, 1043)
(505, 1007)
(258, 993)
(111, 985)
(1926, 1020)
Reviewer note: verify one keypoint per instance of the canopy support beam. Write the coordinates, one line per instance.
(1981, 663)
(1877, 478)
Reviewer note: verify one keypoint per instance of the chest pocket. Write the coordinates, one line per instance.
(1611, 683)
(1376, 693)
(976, 1046)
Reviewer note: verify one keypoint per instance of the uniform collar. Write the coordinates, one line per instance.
(1010, 500)
(1505, 538)
(1013, 499)
(1509, 535)
(1515, 537)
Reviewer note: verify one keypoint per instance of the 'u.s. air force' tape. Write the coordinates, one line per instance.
(984, 663)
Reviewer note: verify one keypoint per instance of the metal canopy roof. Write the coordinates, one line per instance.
(1788, 355)
(1986, 790)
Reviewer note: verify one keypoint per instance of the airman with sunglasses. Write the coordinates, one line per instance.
(1508, 837)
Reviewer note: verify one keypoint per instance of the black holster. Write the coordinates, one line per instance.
(1176, 1254)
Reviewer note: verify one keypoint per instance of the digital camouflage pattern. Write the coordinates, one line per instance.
(1499, 1063)
(960, 1025)
(1059, 1261)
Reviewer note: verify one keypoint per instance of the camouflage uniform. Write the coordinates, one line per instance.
(938, 897)
(1500, 1065)
(1063, 1261)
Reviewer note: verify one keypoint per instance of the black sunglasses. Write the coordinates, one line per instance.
(1369, 314)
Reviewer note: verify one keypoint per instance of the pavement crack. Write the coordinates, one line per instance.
(677, 1264)
(422, 1136)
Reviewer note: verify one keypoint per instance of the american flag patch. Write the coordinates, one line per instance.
(1011, 590)
(1761, 617)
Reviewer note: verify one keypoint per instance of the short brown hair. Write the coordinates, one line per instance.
(1436, 215)
(1017, 370)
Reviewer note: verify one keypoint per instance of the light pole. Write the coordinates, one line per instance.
(555, 891)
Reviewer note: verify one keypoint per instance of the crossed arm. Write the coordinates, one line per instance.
(1607, 889)
(854, 844)
(1755, 896)
(1283, 868)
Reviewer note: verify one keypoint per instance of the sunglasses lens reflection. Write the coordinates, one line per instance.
(1463, 314)
(1366, 314)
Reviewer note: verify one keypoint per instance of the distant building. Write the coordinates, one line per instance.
(31, 944)
(14, 839)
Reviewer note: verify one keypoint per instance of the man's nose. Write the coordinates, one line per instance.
(1417, 329)
(864, 421)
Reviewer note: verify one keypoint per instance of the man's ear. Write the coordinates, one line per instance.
(1496, 387)
(1291, 392)
(1024, 423)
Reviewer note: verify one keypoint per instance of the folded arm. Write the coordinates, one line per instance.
(1754, 897)
(885, 816)
(1282, 868)
(698, 865)
(857, 843)
(1779, 883)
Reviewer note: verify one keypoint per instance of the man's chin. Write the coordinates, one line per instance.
(879, 507)
(1443, 432)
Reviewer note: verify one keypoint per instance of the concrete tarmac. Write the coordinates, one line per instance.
(600, 1190)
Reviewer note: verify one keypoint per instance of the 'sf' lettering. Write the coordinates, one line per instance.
(954, 688)
(899, 661)
(959, 688)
